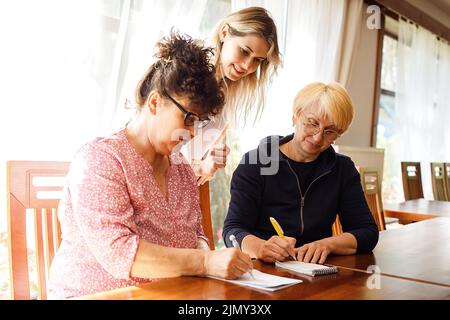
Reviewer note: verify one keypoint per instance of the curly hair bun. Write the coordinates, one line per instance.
(183, 68)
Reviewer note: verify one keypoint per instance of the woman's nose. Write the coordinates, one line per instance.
(247, 63)
(318, 137)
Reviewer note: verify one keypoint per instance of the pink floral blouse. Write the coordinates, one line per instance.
(110, 202)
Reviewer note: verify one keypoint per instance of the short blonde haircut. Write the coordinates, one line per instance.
(249, 92)
(331, 100)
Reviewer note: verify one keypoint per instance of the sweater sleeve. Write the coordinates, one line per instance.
(243, 211)
(354, 212)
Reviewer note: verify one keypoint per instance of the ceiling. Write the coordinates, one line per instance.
(439, 10)
(443, 5)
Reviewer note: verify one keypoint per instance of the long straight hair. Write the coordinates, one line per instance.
(247, 95)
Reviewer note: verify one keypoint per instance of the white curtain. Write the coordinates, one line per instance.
(143, 23)
(422, 103)
(312, 34)
(66, 68)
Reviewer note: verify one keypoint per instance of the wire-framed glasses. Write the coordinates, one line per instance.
(312, 127)
(190, 118)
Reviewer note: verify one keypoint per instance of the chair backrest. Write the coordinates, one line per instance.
(412, 180)
(447, 179)
(372, 191)
(33, 187)
(364, 156)
(438, 181)
(205, 206)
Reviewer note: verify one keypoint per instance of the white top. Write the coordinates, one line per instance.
(197, 148)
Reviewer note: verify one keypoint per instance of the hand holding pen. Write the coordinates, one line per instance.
(278, 247)
(280, 233)
(228, 263)
(237, 246)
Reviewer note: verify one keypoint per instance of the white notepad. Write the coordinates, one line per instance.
(262, 281)
(198, 147)
(310, 269)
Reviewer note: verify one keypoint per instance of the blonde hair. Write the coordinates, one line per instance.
(331, 100)
(242, 94)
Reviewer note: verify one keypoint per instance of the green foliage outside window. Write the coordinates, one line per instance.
(220, 189)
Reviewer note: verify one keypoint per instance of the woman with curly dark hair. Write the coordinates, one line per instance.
(130, 210)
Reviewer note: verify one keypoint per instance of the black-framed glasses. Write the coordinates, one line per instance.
(190, 118)
(312, 127)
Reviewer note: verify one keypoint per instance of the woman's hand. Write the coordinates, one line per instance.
(229, 263)
(216, 158)
(276, 249)
(314, 252)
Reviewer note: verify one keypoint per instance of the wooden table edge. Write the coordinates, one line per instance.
(396, 276)
(413, 216)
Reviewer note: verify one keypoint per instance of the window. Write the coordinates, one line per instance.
(414, 101)
(386, 112)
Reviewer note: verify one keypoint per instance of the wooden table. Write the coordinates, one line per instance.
(414, 262)
(346, 284)
(418, 209)
(418, 251)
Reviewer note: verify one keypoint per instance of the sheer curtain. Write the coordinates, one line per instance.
(143, 23)
(67, 66)
(317, 39)
(422, 103)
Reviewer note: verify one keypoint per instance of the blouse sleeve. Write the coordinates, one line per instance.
(102, 209)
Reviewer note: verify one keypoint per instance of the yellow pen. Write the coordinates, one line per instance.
(278, 229)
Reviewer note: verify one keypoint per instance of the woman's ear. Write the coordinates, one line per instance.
(152, 101)
(223, 32)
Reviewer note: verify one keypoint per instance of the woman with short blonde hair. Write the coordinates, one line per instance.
(312, 184)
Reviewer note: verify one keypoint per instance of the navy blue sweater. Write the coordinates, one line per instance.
(307, 215)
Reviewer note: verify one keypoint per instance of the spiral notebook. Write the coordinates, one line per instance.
(310, 269)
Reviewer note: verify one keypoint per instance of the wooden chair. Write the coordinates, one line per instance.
(372, 190)
(412, 180)
(438, 181)
(447, 179)
(26, 190)
(36, 186)
(205, 206)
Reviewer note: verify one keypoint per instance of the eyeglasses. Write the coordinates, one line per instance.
(190, 118)
(312, 127)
